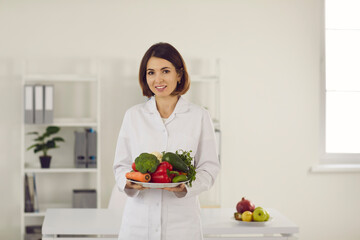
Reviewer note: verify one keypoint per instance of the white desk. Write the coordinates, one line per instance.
(71, 224)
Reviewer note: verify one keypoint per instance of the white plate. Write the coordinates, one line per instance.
(253, 223)
(157, 185)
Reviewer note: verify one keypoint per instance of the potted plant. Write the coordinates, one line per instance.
(44, 143)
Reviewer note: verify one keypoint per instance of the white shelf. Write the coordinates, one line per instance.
(75, 122)
(44, 207)
(76, 105)
(34, 214)
(60, 170)
(71, 122)
(60, 78)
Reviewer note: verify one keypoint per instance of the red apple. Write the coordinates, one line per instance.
(245, 205)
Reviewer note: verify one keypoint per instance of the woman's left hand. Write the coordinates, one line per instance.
(180, 188)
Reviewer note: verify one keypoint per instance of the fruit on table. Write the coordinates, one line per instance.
(247, 216)
(267, 215)
(237, 216)
(245, 205)
(260, 214)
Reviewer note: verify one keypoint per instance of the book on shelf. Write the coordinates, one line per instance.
(31, 200)
(28, 205)
(35, 197)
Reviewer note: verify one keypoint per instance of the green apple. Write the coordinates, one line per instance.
(259, 214)
(267, 215)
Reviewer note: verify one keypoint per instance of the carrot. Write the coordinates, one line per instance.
(138, 176)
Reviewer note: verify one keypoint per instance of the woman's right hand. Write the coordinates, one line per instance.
(132, 185)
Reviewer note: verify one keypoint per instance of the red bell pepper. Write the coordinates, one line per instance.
(163, 173)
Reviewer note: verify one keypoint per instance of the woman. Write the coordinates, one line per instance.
(166, 122)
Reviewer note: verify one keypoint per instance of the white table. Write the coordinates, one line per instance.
(81, 224)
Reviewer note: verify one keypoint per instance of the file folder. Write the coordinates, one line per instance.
(29, 104)
(91, 149)
(48, 104)
(39, 104)
(80, 149)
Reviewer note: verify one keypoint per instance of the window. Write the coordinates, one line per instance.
(341, 134)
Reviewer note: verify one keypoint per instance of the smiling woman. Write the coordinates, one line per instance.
(162, 77)
(165, 59)
(165, 123)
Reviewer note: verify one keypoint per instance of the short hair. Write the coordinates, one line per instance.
(169, 53)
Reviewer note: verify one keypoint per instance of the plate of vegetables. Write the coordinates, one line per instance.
(157, 185)
(160, 170)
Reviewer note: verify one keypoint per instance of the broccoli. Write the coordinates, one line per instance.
(146, 162)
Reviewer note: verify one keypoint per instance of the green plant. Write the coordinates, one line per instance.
(43, 143)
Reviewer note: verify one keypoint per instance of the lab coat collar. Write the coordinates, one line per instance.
(181, 106)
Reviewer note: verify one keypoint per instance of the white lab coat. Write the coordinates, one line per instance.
(155, 214)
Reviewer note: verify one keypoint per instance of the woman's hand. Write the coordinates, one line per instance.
(180, 188)
(131, 185)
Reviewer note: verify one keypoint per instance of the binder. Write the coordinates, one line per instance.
(48, 103)
(80, 149)
(39, 104)
(29, 104)
(91, 149)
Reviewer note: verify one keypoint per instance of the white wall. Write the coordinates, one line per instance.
(270, 51)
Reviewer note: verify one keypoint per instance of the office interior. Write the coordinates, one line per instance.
(270, 56)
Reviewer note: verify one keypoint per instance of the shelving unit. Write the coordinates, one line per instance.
(205, 91)
(76, 106)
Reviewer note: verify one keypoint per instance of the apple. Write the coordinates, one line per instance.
(267, 215)
(259, 214)
(247, 216)
(245, 205)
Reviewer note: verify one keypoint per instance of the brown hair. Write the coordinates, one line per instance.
(169, 53)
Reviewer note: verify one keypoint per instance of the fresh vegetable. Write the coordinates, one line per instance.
(146, 162)
(138, 176)
(163, 173)
(175, 161)
(157, 155)
(133, 166)
(188, 160)
(179, 178)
